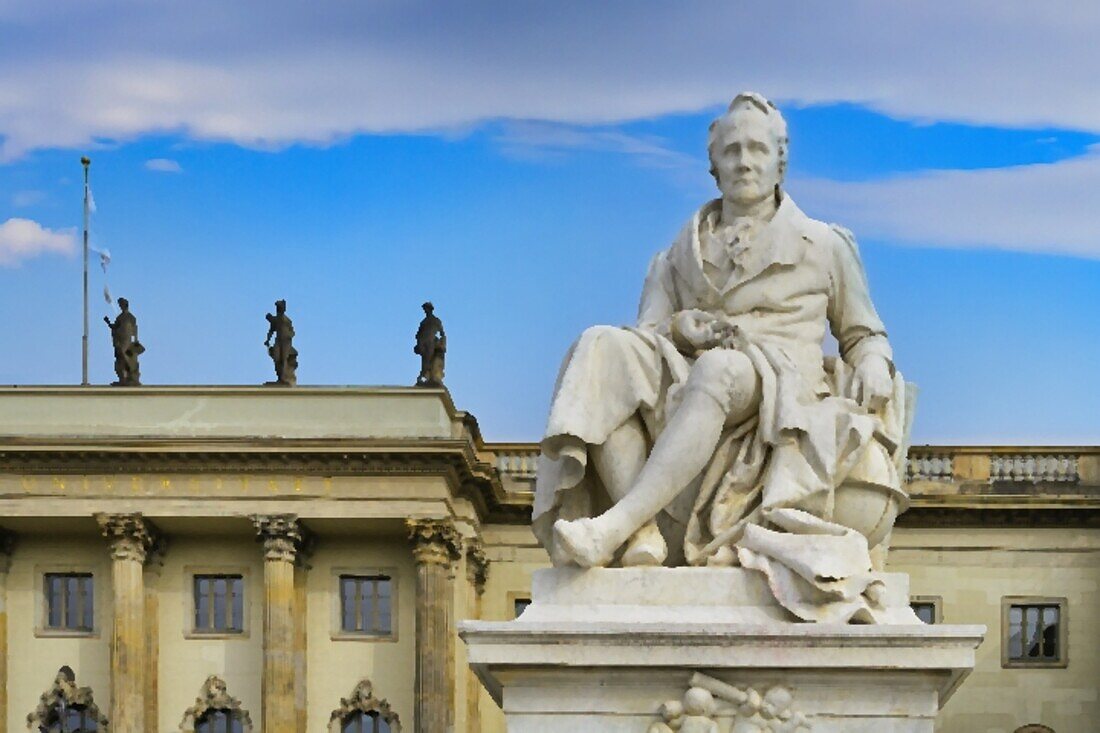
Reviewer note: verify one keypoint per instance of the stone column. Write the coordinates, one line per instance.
(477, 573)
(7, 543)
(435, 546)
(301, 629)
(131, 537)
(282, 537)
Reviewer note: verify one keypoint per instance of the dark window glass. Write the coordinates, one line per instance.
(73, 719)
(366, 603)
(364, 722)
(521, 605)
(1033, 633)
(70, 601)
(925, 610)
(219, 721)
(219, 603)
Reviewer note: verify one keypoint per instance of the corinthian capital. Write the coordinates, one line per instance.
(131, 536)
(283, 535)
(434, 540)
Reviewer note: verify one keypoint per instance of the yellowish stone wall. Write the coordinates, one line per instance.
(973, 569)
(34, 658)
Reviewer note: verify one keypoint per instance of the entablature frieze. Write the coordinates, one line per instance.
(456, 461)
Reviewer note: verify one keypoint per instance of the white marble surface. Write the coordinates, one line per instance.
(607, 666)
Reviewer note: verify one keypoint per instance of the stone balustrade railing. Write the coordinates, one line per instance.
(945, 464)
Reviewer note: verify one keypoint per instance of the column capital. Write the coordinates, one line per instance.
(434, 540)
(131, 536)
(7, 544)
(284, 536)
(477, 564)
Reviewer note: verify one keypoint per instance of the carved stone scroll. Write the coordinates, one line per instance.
(214, 699)
(771, 712)
(362, 700)
(65, 704)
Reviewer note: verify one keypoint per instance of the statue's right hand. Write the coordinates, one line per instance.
(693, 330)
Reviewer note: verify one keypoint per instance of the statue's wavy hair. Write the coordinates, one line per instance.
(775, 120)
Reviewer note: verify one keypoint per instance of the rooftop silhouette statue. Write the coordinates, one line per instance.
(124, 338)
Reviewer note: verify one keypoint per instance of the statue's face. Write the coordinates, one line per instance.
(745, 155)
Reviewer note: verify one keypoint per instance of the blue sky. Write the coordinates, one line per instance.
(520, 169)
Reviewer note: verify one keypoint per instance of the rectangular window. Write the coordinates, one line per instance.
(1034, 633)
(70, 601)
(219, 604)
(366, 603)
(927, 608)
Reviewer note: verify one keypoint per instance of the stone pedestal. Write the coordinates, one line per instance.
(600, 651)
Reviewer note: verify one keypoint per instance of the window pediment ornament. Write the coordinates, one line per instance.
(63, 700)
(214, 696)
(362, 700)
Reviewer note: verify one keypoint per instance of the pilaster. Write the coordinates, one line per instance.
(7, 544)
(283, 538)
(154, 564)
(435, 546)
(131, 538)
(477, 574)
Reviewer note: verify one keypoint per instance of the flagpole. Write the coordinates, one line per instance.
(85, 161)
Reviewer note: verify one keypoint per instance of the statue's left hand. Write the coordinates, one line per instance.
(872, 384)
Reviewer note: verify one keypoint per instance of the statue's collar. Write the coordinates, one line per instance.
(781, 242)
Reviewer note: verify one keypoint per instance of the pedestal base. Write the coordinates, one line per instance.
(599, 651)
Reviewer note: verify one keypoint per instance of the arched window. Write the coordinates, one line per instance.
(66, 708)
(216, 711)
(1034, 728)
(363, 713)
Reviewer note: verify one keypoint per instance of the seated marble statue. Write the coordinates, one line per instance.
(716, 431)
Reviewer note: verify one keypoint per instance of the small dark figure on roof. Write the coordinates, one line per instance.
(282, 351)
(124, 337)
(431, 345)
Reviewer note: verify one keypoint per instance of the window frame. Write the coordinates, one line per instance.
(196, 578)
(42, 628)
(937, 606)
(1007, 602)
(190, 601)
(338, 633)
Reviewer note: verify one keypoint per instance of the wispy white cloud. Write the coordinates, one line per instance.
(280, 72)
(23, 199)
(1047, 208)
(528, 139)
(163, 165)
(23, 239)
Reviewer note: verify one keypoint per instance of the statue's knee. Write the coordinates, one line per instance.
(721, 371)
(604, 338)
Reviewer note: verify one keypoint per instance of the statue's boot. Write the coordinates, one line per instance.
(647, 548)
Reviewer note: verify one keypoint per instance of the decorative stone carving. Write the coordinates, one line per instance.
(124, 338)
(431, 346)
(65, 704)
(132, 536)
(284, 537)
(214, 698)
(282, 352)
(477, 564)
(772, 712)
(1034, 468)
(434, 540)
(362, 700)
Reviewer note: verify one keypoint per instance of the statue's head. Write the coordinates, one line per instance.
(280, 306)
(748, 150)
(124, 304)
(428, 307)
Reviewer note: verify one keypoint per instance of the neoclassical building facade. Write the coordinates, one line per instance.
(295, 560)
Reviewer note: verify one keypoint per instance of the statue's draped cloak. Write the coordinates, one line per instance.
(799, 276)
